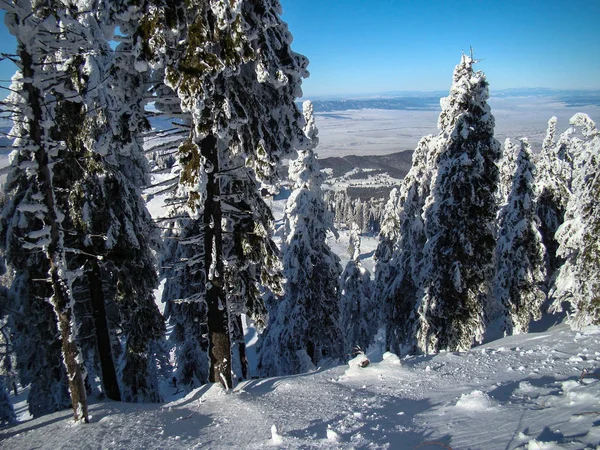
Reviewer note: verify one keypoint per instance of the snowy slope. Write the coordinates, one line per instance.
(519, 392)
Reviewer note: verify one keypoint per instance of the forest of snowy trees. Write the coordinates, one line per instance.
(478, 236)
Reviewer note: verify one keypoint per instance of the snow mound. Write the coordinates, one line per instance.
(359, 362)
(475, 401)
(391, 358)
(276, 438)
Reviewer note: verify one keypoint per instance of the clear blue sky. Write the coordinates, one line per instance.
(369, 46)
(361, 47)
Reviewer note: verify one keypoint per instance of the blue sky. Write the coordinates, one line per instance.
(368, 46)
(360, 47)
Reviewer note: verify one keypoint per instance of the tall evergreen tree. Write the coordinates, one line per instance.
(459, 218)
(358, 312)
(90, 161)
(234, 73)
(578, 278)
(45, 98)
(304, 328)
(399, 296)
(507, 167)
(554, 187)
(520, 253)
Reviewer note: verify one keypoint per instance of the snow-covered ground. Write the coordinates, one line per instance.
(533, 391)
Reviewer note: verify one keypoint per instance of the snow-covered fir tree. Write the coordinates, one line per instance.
(128, 264)
(578, 278)
(398, 279)
(459, 218)
(388, 235)
(235, 75)
(304, 326)
(554, 168)
(44, 96)
(507, 167)
(358, 313)
(520, 253)
(90, 165)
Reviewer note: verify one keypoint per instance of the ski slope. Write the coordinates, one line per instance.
(532, 391)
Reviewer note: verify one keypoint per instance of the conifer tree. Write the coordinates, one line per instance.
(44, 98)
(388, 234)
(460, 218)
(91, 166)
(304, 328)
(358, 313)
(553, 180)
(235, 75)
(398, 295)
(507, 168)
(520, 253)
(578, 278)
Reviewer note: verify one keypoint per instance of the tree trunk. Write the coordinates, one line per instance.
(219, 347)
(55, 250)
(107, 364)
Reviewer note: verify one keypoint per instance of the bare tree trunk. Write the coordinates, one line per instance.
(219, 347)
(107, 364)
(55, 252)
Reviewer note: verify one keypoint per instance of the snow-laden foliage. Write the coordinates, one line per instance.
(578, 279)
(358, 313)
(46, 109)
(459, 218)
(303, 327)
(520, 253)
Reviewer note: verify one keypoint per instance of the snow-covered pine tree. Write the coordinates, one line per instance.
(128, 265)
(554, 168)
(232, 68)
(44, 94)
(358, 313)
(107, 215)
(388, 235)
(507, 167)
(520, 253)
(398, 280)
(96, 161)
(304, 328)
(460, 215)
(578, 279)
